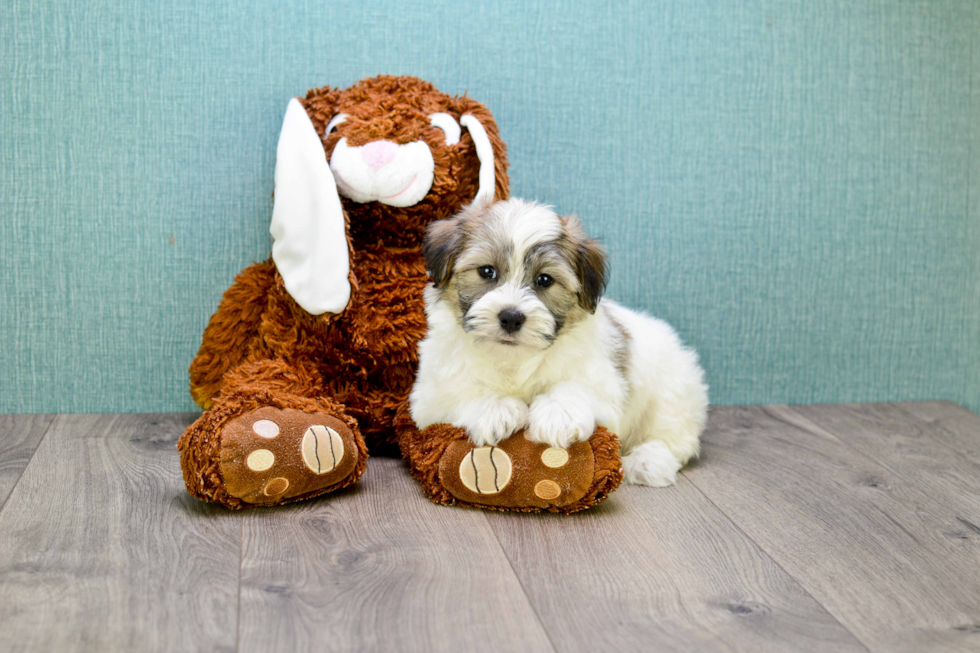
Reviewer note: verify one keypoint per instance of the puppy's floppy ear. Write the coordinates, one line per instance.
(590, 263)
(308, 228)
(443, 242)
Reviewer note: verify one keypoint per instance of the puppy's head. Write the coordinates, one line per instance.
(514, 272)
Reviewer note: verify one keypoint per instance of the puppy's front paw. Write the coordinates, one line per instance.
(651, 463)
(491, 420)
(559, 423)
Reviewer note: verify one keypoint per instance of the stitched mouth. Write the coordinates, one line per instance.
(343, 182)
(407, 186)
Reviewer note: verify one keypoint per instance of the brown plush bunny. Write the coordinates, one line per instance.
(311, 353)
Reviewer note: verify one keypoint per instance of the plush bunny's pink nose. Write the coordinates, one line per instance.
(377, 154)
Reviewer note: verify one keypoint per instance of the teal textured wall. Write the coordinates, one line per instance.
(794, 185)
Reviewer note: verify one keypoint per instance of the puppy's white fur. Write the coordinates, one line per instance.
(567, 369)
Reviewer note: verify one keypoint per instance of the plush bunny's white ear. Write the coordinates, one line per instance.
(484, 152)
(309, 240)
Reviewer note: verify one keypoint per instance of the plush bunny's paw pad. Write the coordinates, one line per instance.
(270, 455)
(517, 473)
(485, 470)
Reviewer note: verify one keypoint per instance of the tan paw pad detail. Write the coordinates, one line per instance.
(276, 487)
(485, 470)
(260, 460)
(554, 457)
(266, 428)
(322, 449)
(547, 490)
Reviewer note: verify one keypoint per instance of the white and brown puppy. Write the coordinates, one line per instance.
(519, 336)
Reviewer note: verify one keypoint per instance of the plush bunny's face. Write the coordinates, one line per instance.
(400, 142)
(387, 157)
(400, 152)
(396, 174)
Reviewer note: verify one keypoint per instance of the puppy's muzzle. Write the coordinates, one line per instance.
(511, 320)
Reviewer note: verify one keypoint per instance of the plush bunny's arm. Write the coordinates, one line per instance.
(231, 331)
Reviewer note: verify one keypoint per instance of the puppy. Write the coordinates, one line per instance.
(519, 336)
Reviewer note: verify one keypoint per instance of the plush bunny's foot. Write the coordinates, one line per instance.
(269, 456)
(516, 474)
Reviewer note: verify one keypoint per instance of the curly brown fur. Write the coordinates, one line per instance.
(230, 331)
(261, 349)
(360, 363)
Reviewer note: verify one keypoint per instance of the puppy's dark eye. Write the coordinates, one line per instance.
(543, 281)
(487, 272)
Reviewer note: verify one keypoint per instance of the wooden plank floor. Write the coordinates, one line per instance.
(805, 528)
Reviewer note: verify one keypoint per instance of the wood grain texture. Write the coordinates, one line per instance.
(821, 528)
(890, 563)
(379, 568)
(19, 437)
(934, 446)
(660, 569)
(954, 426)
(102, 549)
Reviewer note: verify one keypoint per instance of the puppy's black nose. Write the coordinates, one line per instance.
(511, 321)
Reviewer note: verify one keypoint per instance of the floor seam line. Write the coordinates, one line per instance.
(520, 583)
(20, 476)
(769, 555)
(912, 484)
